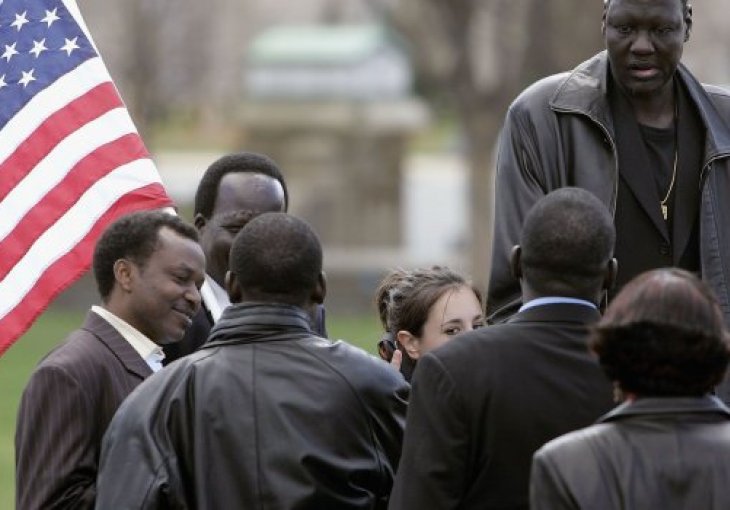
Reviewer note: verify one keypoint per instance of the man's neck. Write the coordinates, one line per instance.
(655, 110)
(528, 294)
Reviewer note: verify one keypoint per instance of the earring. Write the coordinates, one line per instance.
(618, 394)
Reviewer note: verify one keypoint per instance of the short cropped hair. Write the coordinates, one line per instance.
(240, 162)
(567, 240)
(133, 237)
(663, 335)
(277, 257)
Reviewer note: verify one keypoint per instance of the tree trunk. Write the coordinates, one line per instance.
(484, 52)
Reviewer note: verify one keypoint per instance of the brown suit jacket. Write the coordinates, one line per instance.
(64, 412)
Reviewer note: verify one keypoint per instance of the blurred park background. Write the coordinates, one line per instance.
(383, 115)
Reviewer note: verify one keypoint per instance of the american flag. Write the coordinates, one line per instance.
(71, 160)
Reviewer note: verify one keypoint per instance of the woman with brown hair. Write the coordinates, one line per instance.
(421, 309)
(664, 344)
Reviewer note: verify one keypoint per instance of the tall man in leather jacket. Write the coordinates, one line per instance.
(482, 404)
(633, 126)
(266, 414)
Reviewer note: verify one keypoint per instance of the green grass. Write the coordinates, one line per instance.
(361, 330)
(18, 362)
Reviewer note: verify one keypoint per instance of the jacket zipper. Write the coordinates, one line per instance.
(706, 167)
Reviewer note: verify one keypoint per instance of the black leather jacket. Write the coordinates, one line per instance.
(559, 132)
(265, 415)
(654, 453)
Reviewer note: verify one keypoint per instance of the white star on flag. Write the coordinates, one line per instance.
(51, 16)
(3, 83)
(9, 52)
(38, 47)
(27, 77)
(20, 20)
(70, 46)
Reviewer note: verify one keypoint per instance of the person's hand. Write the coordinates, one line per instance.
(397, 359)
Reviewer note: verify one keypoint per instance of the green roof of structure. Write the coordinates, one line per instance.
(317, 44)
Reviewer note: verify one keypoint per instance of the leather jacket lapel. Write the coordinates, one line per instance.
(690, 137)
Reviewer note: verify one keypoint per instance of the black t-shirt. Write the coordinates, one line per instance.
(660, 146)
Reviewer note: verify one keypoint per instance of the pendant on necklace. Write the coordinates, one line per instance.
(664, 211)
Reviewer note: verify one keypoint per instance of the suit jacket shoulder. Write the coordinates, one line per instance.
(566, 324)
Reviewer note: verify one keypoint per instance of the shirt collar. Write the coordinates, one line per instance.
(215, 297)
(146, 348)
(666, 406)
(554, 300)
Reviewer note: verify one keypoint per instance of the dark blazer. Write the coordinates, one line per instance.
(64, 412)
(671, 453)
(644, 240)
(482, 404)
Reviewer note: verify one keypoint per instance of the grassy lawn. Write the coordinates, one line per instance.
(18, 362)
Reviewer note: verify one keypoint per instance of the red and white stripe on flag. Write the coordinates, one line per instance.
(71, 160)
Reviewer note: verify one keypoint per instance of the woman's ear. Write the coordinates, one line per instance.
(411, 344)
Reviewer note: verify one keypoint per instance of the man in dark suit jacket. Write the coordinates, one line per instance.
(484, 403)
(233, 190)
(148, 268)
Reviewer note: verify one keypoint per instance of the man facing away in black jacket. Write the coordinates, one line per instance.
(266, 414)
(485, 402)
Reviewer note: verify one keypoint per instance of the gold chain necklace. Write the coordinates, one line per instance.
(663, 204)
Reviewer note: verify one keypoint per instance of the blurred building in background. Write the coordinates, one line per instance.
(357, 62)
(334, 105)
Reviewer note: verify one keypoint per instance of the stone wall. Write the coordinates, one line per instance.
(342, 161)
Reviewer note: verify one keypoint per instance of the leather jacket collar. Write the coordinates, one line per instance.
(584, 91)
(667, 405)
(251, 322)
